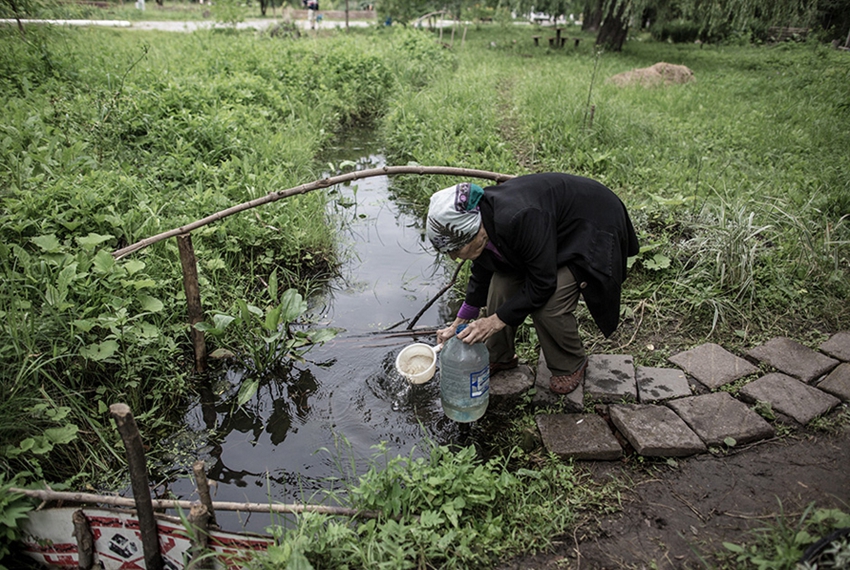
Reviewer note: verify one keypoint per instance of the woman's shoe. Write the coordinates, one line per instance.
(569, 382)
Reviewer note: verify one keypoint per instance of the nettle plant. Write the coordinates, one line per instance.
(262, 338)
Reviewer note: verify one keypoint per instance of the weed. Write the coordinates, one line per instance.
(442, 508)
(783, 543)
(834, 422)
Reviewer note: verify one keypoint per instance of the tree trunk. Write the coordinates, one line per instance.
(615, 26)
(592, 15)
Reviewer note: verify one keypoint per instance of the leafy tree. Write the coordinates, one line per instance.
(713, 17)
(404, 11)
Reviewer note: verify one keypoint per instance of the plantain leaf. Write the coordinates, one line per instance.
(150, 304)
(100, 351)
(48, 243)
(247, 391)
(293, 306)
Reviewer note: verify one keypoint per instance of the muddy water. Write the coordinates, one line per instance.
(329, 411)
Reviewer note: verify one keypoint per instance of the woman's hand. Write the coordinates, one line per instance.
(445, 334)
(482, 329)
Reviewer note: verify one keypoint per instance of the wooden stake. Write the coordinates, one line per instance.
(203, 488)
(139, 482)
(198, 518)
(85, 540)
(193, 298)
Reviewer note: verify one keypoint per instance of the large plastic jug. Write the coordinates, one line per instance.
(464, 379)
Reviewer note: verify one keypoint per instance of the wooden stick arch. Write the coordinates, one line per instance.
(303, 189)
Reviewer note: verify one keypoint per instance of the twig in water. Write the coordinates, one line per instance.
(437, 296)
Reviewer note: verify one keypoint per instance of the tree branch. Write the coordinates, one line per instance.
(303, 189)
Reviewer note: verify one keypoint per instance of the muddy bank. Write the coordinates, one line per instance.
(678, 517)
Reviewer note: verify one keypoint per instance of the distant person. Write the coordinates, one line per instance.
(536, 243)
(312, 11)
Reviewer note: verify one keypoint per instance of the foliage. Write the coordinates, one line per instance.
(736, 224)
(677, 31)
(781, 545)
(228, 12)
(737, 184)
(265, 337)
(13, 508)
(685, 20)
(445, 509)
(109, 138)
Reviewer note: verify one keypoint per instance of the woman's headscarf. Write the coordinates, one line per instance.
(453, 216)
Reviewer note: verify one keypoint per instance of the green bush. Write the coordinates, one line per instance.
(676, 31)
(111, 137)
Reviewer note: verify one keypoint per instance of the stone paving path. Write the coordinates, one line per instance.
(684, 410)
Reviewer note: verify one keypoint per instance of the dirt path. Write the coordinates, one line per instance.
(678, 517)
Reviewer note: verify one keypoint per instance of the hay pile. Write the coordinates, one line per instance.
(659, 74)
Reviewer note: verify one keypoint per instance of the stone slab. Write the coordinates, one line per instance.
(712, 365)
(578, 436)
(572, 402)
(658, 384)
(790, 396)
(655, 430)
(717, 416)
(838, 346)
(511, 383)
(610, 378)
(794, 359)
(838, 382)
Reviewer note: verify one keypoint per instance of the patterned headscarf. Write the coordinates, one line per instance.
(453, 216)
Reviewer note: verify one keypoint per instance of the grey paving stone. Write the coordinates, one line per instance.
(578, 436)
(794, 359)
(511, 383)
(573, 402)
(655, 430)
(838, 382)
(838, 346)
(790, 396)
(658, 384)
(712, 365)
(716, 416)
(611, 378)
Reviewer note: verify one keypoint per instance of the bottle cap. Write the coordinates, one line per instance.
(460, 328)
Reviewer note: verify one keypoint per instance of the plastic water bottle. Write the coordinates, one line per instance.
(464, 379)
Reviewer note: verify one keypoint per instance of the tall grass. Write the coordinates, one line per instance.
(738, 186)
(110, 137)
(737, 181)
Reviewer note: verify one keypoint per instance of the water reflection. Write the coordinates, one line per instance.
(284, 442)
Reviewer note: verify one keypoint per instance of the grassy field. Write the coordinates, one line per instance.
(738, 185)
(736, 181)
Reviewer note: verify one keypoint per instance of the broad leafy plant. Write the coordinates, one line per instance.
(264, 337)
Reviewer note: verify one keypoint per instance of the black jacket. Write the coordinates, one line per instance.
(542, 222)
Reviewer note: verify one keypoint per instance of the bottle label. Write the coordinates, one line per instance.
(479, 382)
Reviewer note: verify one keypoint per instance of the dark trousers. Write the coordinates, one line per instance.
(555, 323)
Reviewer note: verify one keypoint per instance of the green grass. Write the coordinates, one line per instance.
(110, 137)
(738, 185)
(443, 508)
(168, 11)
(737, 182)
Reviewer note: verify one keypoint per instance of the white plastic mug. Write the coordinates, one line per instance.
(417, 362)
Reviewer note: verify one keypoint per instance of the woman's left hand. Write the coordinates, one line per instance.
(482, 329)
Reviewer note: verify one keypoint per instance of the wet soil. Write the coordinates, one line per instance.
(679, 516)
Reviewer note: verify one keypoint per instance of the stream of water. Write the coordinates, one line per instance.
(347, 397)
